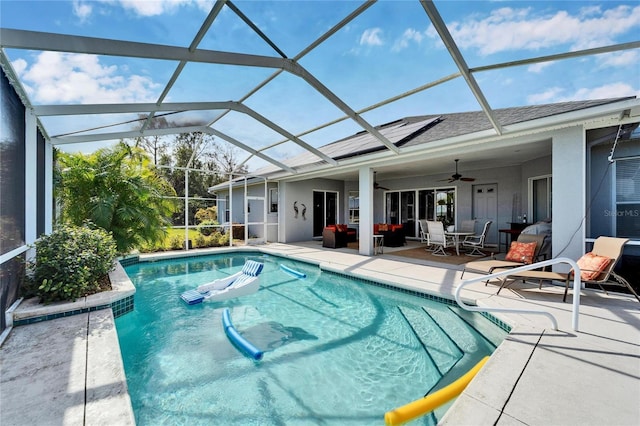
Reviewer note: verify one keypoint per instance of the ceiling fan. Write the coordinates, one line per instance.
(457, 176)
(376, 185)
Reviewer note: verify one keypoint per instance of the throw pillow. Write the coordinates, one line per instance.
(591, 265)
(383, 227)
(521, 252)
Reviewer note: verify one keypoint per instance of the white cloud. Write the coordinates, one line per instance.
(82, 10)
(371, 37)
(539, 67)
(409, 35)
(619, 59)
(509, 29)
(160, 7)
(57, 77)
(556, 94)
(19, 65)
(613, 90)
(548, 96)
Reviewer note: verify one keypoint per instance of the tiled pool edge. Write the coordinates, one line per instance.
(120, 299)
(420, 294)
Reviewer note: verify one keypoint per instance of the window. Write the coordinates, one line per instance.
(613, 184)
(226, 209)
(354, 207)
(273, 200)
(540, 198)
(627, 211)
(437, 204)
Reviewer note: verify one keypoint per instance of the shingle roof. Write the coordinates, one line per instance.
(419, 130)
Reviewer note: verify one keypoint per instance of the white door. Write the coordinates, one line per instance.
(485, 207)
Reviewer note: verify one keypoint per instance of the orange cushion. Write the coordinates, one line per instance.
(341, 228)
(395, 227)
(331, 228)
(591, 265)
(521, 252)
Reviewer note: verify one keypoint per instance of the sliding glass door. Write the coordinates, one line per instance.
(325, 210)
(400, 208)
(437, 204)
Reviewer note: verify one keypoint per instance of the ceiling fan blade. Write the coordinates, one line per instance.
(465, 179)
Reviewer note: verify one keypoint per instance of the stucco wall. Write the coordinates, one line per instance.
(300, 228)
(568, 198)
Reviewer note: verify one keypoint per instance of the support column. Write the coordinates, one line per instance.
(568, 192)
(366, 211)
(49, 208)
(31, 177)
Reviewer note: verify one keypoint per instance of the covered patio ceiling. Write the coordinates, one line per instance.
(279, 78)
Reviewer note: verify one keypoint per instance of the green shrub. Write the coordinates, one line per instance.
(222, 240)
(210, 213)
(175, 243)
(72, 262)
(199, 241)
(205, 227)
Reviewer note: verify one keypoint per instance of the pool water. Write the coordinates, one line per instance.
(336, 350)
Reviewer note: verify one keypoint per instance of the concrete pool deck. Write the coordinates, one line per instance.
(68, 371)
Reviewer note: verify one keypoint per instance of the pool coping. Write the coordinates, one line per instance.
(120, 299)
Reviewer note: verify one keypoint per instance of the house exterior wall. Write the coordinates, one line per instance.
(509, 181)
(257, 210)
(292, 228)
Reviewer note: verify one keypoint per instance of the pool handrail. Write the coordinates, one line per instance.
(576, 290)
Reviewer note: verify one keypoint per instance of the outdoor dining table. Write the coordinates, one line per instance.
(456, 238)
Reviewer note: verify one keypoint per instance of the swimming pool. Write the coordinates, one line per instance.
(337, 350)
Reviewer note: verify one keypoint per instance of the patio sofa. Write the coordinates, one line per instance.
(393, 234)
(336, 236)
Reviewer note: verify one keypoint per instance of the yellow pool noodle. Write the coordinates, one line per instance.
(430, 402)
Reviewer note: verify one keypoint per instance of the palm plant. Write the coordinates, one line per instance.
(117, 189)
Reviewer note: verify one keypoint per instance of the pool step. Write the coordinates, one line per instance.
(473, 343)
(488, 330)
(444, 352)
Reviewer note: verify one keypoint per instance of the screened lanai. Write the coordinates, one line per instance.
(278, 79)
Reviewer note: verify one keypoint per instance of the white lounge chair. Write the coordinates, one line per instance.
(242, 283)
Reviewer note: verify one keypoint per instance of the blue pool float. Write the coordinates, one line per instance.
(239, 341)
(293, 271)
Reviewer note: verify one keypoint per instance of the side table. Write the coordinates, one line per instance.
(378, 243)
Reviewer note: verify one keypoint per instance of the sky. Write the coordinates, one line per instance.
(389, 49)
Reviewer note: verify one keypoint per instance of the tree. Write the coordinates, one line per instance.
(155, 145)
(117, 189)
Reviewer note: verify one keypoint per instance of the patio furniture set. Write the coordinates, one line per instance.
(388, 235)
(437, 239)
